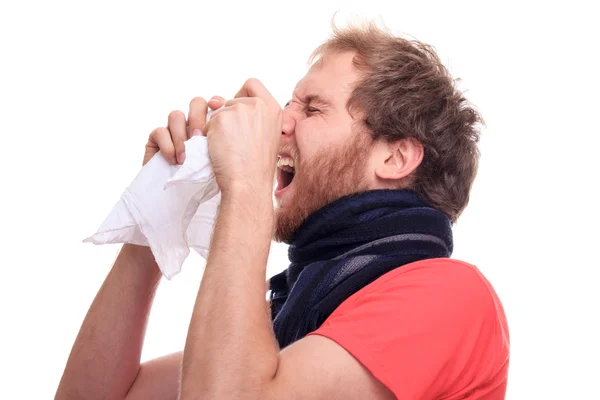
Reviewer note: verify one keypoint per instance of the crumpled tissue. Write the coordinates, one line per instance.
(169, 208)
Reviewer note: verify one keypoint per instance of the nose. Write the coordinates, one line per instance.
(289, 124)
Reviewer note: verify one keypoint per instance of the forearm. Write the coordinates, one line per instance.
(105, 358)
(231, 348)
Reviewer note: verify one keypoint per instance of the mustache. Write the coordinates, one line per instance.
(291, 150)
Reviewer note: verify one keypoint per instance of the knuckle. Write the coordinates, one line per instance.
(218, 120)
(178, 142)
(168, 153)
(156, 132)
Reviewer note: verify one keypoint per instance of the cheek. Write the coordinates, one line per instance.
(306, 149)
(314, 137)
(307, 142)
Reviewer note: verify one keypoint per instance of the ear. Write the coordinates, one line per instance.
(399, 159)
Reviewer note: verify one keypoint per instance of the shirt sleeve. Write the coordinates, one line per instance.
(428, 330)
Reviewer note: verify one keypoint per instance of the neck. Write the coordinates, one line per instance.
(361, 218)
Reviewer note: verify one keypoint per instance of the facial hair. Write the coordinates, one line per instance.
(322, 179)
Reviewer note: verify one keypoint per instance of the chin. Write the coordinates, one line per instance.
(288, 214)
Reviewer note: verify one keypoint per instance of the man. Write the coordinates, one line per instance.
(375, 156)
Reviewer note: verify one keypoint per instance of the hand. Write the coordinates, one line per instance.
(243, 139)
(170, 140)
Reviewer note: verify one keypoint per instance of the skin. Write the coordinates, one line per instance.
(231, 351)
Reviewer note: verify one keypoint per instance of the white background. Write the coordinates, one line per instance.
(82, 84)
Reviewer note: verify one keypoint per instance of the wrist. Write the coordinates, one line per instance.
(248, 193)
(253, 205)
(139, 258)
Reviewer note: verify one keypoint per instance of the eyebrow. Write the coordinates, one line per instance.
(313, 98)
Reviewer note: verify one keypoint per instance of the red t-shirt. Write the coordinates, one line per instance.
(433, 329)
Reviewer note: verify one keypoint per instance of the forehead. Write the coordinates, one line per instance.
(331, 78)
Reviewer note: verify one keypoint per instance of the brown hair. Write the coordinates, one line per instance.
(408, 93)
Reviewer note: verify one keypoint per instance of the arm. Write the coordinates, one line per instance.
(230, 345)
(105, 358)
(159, 378)
(311, 368)
(231, 351)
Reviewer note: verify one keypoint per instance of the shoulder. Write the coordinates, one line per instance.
(439, 282)
(446, 271)
(440, 317)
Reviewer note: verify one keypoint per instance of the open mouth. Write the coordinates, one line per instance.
(286, 172)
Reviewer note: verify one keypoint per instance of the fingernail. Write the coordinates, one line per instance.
(213, 99)
(181, 157)
(197, 132)
(174, 160)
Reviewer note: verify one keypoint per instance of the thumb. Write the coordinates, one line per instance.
(216, 102)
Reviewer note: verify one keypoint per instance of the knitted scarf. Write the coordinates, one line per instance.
(344, 246)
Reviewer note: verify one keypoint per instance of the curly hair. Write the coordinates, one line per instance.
(407, 92)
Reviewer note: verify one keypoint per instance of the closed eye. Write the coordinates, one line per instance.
(307, 109)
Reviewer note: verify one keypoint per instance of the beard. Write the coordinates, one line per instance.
(320, 180)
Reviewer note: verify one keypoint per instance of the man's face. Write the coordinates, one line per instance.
(328, 156)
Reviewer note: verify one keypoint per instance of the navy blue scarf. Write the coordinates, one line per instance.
(346, 245)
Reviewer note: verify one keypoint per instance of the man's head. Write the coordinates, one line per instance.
(373, 112)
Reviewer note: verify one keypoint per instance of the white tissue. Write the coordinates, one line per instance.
(167, 207)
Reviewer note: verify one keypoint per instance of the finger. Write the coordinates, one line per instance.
(197, 116)
(207, 127)
(213, 117)
(254, 88)
(162, 138)
(216, 102)
(242, 100)
(178, 129)
(213, 120)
